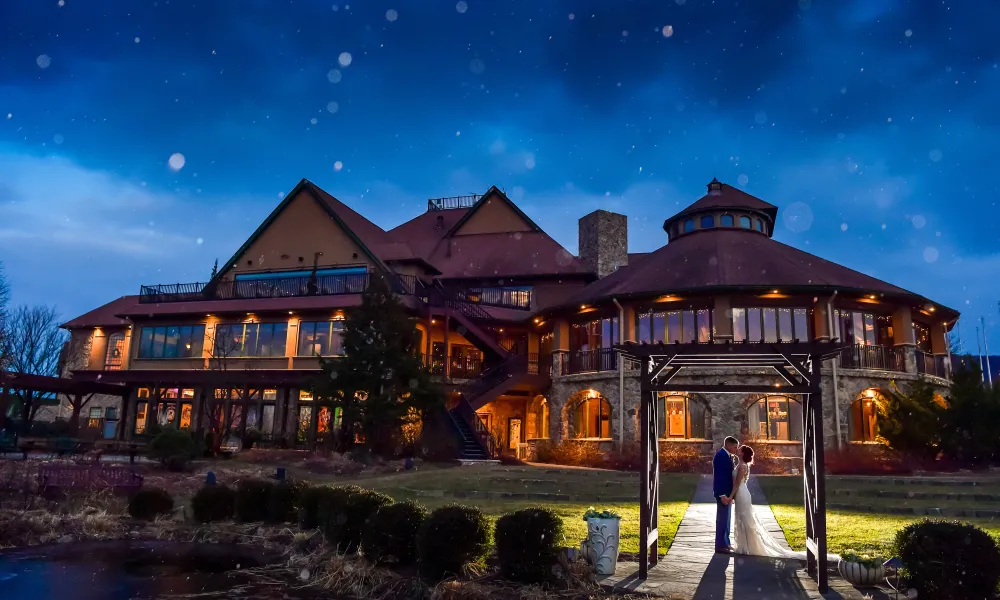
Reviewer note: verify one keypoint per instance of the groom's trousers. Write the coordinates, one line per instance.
(723, 523)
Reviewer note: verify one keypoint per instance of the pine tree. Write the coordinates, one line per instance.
(215, 269)
(911, 421)
(380, 383)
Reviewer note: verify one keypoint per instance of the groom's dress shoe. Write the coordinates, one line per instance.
(724, 550)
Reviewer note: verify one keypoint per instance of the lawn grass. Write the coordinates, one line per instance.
(847, 530)
(435, 486)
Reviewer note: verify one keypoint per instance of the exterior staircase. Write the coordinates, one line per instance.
(471, 448)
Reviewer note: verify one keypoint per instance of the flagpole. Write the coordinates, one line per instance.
(979, 353)
(986, 347)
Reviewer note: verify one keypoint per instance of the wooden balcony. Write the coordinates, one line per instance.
(879, 358)
(590, 361)
(932, 364)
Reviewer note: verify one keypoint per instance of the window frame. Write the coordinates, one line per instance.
(152, 344)
(681, 317)
(688, 225)
(256, 338)
(722, 221)
(662, 399)
(741, 315)
(332, 331)
(857, 412)
(746, 222)
(710, 219)
(790, 419)
(599, 421)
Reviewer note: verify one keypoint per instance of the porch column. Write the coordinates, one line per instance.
(722, 320)
(821, 322)
(904, 338)
(628, 327)
(447, 344)
(940, 346)
(123, 419)
(560, 345)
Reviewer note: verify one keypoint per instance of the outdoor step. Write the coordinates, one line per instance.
(919, 511)
(912, 495)
(934, 481)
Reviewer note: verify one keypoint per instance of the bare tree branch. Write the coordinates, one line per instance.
(4, 325)
(33, 343)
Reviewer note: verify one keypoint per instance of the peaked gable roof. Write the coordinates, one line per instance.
(362, 232)
(104, 316)
(494, 191)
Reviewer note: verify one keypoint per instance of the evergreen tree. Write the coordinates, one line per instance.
(380, 383)
(969, 434)
(215, 269)
(911, 421)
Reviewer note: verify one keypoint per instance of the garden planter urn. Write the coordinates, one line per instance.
(601, 545)
(858, 574)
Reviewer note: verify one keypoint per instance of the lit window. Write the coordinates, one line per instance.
(172, 341)
(115, 355)
(592, 418)
(541, 417)
(250, 339)
(680, 417)
(756, 325)
(707, 222)
(321, 338)
(864, 417)
(776, 418)
(689, 225)
(745, 222)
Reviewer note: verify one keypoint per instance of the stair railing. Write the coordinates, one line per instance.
(483, 435)
(515, 365)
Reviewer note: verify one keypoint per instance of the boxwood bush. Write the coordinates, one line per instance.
(344, 514)
(527, 544)
(949, 559)
(149, 503)
(308, 503)
(391, 533)
(452, 539)
(252, 497)
(281, 502)
(213, 503)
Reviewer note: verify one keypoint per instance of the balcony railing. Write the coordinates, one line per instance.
(931, 364)
(279, 287)
(452, 202)
(881, 358)
(500, 297)
(591, 361)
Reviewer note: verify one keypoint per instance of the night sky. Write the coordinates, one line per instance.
(872, 125)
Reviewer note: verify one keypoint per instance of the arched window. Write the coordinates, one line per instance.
(727, 220)
(707, 222)
(864, 417)
(592, 418)
(745, 222)
(680, 417)
(689, 225)
(776, 418)
(115, 356)
(539, 416)
(758, 225)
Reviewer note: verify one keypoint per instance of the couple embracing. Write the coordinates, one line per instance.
(730, 473)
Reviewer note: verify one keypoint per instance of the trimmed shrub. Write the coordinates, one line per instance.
(949, 559)
(391, 534)
(527, 544)
(252, 497)
(173, 448)
(149, 503)
(344, 515)
(308, 504)
(452, 539)
(281, 502)
(213, 503)
(866, 459)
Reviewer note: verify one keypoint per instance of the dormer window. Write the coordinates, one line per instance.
(727, 220)
(745, 222)
(689, 225)
(715, 187)
(707, 222)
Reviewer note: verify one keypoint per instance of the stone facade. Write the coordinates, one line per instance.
(725, 414)
(603, 240)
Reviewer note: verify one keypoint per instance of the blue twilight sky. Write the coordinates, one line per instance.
(872, 124)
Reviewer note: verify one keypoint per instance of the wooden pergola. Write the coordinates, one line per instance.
(74, 389)
(796, 364)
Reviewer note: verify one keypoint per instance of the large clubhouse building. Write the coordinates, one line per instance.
(520, 331)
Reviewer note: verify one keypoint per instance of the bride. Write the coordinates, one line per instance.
(749, 533)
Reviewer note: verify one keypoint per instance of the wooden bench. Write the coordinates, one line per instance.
(88, 476)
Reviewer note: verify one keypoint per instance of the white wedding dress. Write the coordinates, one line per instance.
(750, 536)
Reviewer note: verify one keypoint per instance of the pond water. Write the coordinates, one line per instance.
(134, 570)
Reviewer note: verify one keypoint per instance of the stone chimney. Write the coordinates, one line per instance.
(604, 242)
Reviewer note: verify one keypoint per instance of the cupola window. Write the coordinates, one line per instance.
(745, 222)
(689, 225)
(758, 225)
(707, 222)
(727, 220)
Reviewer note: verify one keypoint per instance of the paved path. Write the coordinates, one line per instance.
(693, 570)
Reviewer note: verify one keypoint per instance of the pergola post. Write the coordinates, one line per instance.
(649, 492)
(814, 481)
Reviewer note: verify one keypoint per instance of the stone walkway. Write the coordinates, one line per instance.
(692, 569)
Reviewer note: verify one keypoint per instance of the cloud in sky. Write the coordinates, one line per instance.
(830, 107)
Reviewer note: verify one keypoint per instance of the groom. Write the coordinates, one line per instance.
(722, 488)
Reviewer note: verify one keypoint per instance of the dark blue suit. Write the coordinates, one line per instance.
(722, 485)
